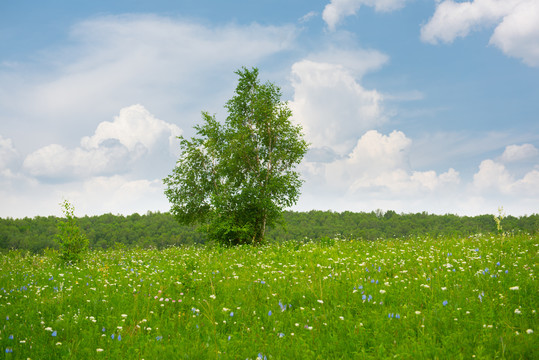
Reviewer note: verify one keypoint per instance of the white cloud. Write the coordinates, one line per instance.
(118, 195)
(173, 65)
(134, 126)
(113, 148)
(336, 10)
(378, 164)
(7, 153)
(516, 25)
(332, 106)
(523, 152)
(494, 177)
(518, 33)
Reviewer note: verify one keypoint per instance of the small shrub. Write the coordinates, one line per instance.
(72, 242)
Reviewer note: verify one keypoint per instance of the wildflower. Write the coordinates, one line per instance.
(213, 296)
(514, 288)
(112, 336)
(99, 350)
(158, 338)
(417, 312)
(382, 291)
(58, 343)
(281, 335)
(9, 350)
(119, 337)
(10, 337)
(269, 313)
(321, 301)
(445, 302)
(517, 311)
(124, 315)
(231, 313)
(529, 331)
(262, 357)
(54, 333)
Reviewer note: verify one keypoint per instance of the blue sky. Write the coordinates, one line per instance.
(410, 105)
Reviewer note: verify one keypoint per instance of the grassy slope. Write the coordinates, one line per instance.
(422, 298)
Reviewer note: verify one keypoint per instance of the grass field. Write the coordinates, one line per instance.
(423, 298)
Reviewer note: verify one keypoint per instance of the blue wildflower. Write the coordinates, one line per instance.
(158, 338)
(363, 297)
(281, 335)
(54, 333)
(10, 337)
(103, 330)
(112, 336)
(232, 313)
(269, 313)
(9, 350)
(119, 337)
(397, 316)
(445, 302)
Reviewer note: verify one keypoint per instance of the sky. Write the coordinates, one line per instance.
(409, 105)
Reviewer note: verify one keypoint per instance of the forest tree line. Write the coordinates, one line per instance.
(162, 230)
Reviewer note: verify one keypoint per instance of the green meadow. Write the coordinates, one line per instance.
(420, 298)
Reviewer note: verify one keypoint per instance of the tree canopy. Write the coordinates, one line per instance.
(236, 178)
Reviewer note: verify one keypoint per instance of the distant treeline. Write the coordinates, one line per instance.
(161, 229)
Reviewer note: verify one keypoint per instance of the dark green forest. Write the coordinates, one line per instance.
(161, 229)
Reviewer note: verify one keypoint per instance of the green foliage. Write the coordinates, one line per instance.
(161, 230)
(72, 242)
(236, 178)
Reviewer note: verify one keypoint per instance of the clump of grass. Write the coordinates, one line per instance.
(410, 298)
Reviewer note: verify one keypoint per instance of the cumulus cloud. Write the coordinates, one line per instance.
(133, 127)
(495, 177)
(336, 10)
(113, 148)
(523, 152)
(516, 25)
(381, 162)
(332, 106)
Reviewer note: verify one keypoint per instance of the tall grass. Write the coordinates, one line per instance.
(422, 298)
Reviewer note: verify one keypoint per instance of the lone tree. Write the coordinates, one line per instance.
(235, 179)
